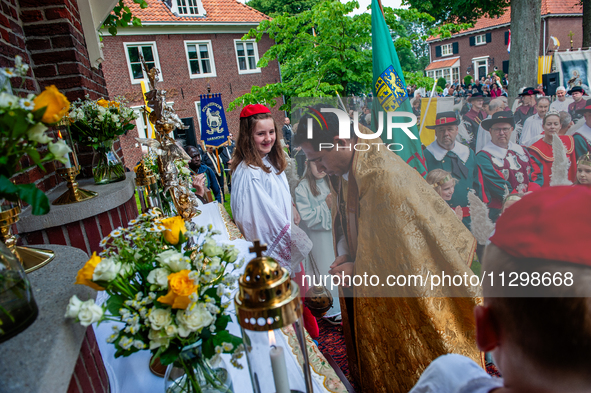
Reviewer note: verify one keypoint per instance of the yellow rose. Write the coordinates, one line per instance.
(102, 102)
(56, 104)
(114, 103)
(84, 276)
(180, 287)
(173, 225)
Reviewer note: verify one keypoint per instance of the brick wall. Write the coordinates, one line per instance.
(182, 90)
(48, 36)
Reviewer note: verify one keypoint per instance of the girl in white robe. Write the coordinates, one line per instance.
(261, 202)
(314, 208)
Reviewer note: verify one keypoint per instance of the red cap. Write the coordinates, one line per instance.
(255, 109)
(552, 223)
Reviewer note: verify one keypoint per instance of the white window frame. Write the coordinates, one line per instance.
(453, 75)
(213, 73)
(126, 45)
(256, 56)
(449, 50)
(175, 8)
(480, 39)
(475, 65)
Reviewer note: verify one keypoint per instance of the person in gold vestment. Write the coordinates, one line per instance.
(388, 221)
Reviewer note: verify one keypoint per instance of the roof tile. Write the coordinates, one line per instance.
(442, 64)
(216, 11)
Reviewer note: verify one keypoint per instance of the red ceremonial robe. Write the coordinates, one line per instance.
(543, 157)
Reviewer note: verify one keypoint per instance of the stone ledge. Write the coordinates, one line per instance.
(43, 357)
(110, 196)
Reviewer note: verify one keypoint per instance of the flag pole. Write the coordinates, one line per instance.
(427, 108)
(382, 8)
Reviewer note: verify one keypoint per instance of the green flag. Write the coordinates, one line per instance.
(389, 90)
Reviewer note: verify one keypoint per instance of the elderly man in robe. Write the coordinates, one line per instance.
(387, 221)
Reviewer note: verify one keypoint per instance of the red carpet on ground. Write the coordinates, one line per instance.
(332, 341)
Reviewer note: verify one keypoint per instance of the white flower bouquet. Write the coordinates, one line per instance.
(23, 126)
(169, 287)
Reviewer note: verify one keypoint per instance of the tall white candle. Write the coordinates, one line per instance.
(278, 366)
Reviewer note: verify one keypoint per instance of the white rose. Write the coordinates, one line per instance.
(37, 134)
(126, 270)
(106, 270)
(73, 307)
(170, 330)
(89, 313)
(174, 260)
(194, 321)
(60, 150)
(114, 118)
(211, 248)
(160, 318)
(185, 171)
(159, 277)
(157, 339)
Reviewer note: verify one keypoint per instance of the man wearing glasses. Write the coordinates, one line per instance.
(505, 165)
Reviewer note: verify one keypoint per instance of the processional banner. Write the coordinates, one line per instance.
(214, 128)
(574, 68)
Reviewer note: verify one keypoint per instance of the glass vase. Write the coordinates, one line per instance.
(106, 164)
(18, 309)
(193, 373)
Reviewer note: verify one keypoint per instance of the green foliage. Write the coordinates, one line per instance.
(26, 192)
(122, 17)
(441, 82)
(273, 7)
(467, 79)
(500, 73)
(325, 50)
(460, 11)
(418, 79)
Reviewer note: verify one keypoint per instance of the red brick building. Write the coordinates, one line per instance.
(194, 43)
(483, 48)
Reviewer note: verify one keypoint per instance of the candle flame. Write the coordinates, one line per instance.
(59, 134)
(272, 340)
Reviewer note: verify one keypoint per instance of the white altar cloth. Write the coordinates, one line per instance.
(132, 374)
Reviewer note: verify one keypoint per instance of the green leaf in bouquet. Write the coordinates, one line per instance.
(128, 127)
(114, 303)
(222, 322)
(34, 197)
(208, 349)
(170, 355)
(38, 114)
(35, 156)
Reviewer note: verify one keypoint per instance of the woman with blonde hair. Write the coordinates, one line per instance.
(444, 184)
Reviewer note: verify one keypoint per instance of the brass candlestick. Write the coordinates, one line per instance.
(31, 258)
(73, 194)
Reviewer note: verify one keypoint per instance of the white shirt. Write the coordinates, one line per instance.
(455, 374)
(532, 130)
(560, 106)
(439, 152)
(261, 206)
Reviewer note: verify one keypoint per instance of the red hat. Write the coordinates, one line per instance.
(552, 223)
(255, 109)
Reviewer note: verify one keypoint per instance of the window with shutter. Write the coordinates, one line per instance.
(438, 51)
(506, 38)
(488, 37)
(472, 41)
(456, 48)
(506, 66)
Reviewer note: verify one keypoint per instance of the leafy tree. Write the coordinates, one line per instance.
(460, 11)
(441, 82)
(273, 7)
(325, 50)
(467, 80)
(122, 17)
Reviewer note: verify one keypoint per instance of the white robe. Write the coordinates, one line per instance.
(532, 130)
(261, 206)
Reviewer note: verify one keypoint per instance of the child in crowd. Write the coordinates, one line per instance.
(313, 200)
(444, 184)
(540, 335)
(584, 170)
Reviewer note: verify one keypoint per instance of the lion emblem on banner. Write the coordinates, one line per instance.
(214, 121)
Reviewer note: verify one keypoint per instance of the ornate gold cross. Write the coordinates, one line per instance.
(258, 248)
